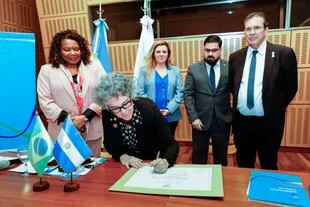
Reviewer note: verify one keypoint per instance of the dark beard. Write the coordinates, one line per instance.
(212, 61)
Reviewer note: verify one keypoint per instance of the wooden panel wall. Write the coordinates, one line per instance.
(21, 16)
(184, 130)
(297, 130)
(59, 15)
(301, 46)
(96, 2)
(56, 15)
(123, 56)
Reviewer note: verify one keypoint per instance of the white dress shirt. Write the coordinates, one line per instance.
(258, 109)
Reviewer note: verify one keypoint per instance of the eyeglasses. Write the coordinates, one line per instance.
(255, 29)
(211, 50)
(125, 105)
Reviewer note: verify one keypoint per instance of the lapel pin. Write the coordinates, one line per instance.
(273, 54)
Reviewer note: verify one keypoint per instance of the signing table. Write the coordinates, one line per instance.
(17, 191)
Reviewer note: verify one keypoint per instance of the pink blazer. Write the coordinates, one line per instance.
(55, 94)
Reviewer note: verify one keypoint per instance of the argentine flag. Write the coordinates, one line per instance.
(70, 150)
(100, 51)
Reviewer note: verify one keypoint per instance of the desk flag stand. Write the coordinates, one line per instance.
(41, 185)
(40, 152)
(70, 186)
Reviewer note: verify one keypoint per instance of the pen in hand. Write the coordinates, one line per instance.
(154, 162)
(160, 165)
(157, 155)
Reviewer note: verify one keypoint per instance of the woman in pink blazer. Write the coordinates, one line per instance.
(65, 86)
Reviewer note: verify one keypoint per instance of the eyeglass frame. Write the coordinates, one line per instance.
(123, 106)
(256, 29)
(211, 50)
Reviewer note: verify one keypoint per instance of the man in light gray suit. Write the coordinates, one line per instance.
(207, 102)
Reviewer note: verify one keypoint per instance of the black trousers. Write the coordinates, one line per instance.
(173, 126)
(254, 135)
(220, 138)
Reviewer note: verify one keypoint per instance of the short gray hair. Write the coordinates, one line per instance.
(113, 85)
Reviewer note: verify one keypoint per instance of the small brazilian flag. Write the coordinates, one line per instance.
(40, 147)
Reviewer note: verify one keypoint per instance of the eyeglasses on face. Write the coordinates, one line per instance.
(117, 109)
(255, 29)
(211, 50)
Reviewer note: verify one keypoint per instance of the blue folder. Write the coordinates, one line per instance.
(277, 188)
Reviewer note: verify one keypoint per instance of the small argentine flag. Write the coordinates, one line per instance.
(70, 150)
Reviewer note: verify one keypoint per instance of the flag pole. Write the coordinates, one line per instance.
(145, 8)
(39, 135)
(100, 11)
(70, 186)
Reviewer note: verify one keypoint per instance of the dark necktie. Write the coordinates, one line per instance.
(250, 92)
(212, 77)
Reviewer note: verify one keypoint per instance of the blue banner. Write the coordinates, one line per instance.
(17, 88)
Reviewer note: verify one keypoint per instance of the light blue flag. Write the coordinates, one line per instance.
(70, 150)
(100, 50)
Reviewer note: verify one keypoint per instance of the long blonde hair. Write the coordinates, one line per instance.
(151, 63)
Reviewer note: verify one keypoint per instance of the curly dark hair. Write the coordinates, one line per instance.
(55, 57)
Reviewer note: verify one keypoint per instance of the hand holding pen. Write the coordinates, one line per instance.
(160, 165)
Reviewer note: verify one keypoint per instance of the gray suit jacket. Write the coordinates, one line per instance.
(201, 101)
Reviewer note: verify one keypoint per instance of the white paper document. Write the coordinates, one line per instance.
(54, 170)
(76, 173)
(22, 168)
(176, 178)
(7, 158)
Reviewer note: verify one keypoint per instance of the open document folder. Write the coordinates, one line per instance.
(181, 180)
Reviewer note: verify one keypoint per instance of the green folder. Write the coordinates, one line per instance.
(216, 184)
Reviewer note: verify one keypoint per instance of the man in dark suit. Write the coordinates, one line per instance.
(263, 81)
(207, 102)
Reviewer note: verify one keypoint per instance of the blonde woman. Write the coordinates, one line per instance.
(162, 83)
